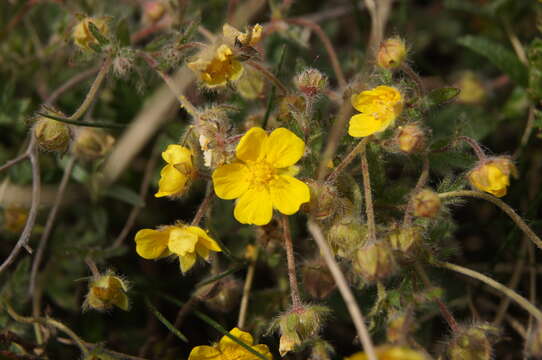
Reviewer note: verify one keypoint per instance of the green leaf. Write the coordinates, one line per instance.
(124, 194)
(441, 96)
(499, 55)
(123, 33)
(97, 34)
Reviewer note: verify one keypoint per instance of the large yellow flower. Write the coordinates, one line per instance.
(184, 241)
(227, 349)
(216, 66)
(179, 170)
(262, 179)
(378, 107)
(387, 352)
(493, 175)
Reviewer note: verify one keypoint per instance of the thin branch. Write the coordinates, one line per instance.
(504, 207)
(31, 220)
(348, 297)
(249, 279)
(368, 192)
(327, 44)
(15, 161)
(49, 224)
(71, 83)
(520, 300)
(474, 145)
(529, 126)
(204, 206)
(290, 257)
(345, 162)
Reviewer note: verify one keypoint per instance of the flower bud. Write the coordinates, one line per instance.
(106, 291)
(298, 325)
(317, 279)
(410, 138)
(374, 261)
(406, 239)
(310, 82)
(52, 135)
(492, 175)
(472, 343)
(426, 203)
(392, 53)
(227, 296)
(346, 235)
(15, 218)
(83, 37)
(92, 143)
(153, 11)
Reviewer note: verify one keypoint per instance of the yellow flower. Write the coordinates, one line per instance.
(82, 36)
(216, 68)
(227, 349)
(105, 291)
(248, 38)
(379, 107)
(492, 175)
(387, 352)
(184, 241)
(179, 170)
(262, 179)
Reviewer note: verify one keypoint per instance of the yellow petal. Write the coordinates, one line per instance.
(152, 244)
(202, 251)
(288, 193)
(172, 182)
(204, 238)
(187, 261)
(182, 242)
(231, 181)
(251, 144)
(254, 207)
(362, 125)
(204, 353)
(176, 154)
(283, 148)
(226, 342)
(121, 301)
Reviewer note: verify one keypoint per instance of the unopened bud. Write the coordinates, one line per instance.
(472, 343)
(346, 235)
(374, 261)
(410, 138)
(426, 203)
(52, 135)
(227, 296)
(106, 291)
(15, 218)
(311, 82)
(406, 239)
(92, 143)
(82, 35)
(493, 175)
(317, 279)
(153, 11)
(392, 53)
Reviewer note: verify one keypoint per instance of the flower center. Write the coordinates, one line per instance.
(262, 173)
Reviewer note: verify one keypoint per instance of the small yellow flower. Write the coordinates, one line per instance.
(218, 67)
(493, 175)
(184, 241)
(379, 107)
(106, 291)
(82, 36)
(227, 349)
(179, 170)
(248, 38)
(392, 53)
(263, 178)
(387, 352)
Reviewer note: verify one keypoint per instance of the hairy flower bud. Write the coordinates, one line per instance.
(298, 325)
(392, 53)
(106, 291)
(374, 261)
(52, 135)
(426, 203)
(92, 143)
(406, 239)
(410, 138)
(493, 175)
(472, 343)
(310, 82)
(346, 235)
(317, 279)
(83, 37)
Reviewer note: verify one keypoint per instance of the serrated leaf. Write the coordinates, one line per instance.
(499, 55)
(124, 194)
(442, 95)
(123, 33)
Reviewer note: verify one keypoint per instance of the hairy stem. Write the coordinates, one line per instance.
(346, 161)
(292, 274)
(504, 207)
(474, 145)
(348, 297)
(369, 210)
(204, 206)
